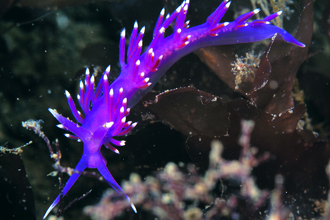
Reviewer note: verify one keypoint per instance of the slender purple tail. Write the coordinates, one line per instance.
(77, 172)
(102, 168)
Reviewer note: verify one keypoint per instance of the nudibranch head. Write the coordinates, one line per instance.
(103, 117)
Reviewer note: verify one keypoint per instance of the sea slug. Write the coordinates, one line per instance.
(104, 109)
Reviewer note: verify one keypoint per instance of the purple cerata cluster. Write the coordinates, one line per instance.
(105, 108)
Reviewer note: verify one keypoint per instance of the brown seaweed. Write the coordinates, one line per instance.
(192, 111)
(283, 61)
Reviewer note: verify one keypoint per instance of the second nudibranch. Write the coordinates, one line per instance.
(104, 108)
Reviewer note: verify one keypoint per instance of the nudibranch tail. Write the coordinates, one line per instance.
(83, 163)
(108, 177)
(105, 108)
(77, 172)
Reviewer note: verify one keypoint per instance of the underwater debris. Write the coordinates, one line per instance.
(35, 126)
(16, 150)
(244, 68)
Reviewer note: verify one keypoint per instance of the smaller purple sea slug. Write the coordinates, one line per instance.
(104, 109)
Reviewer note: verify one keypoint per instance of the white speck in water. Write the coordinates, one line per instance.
(273, 84)
(62, 21)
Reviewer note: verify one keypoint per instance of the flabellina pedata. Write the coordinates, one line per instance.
(104, 108)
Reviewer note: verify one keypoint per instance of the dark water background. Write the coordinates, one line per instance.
(43, 53)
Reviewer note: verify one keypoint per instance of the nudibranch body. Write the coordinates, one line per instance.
(104, 109)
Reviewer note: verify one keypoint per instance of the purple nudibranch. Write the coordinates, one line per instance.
(104, 109)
